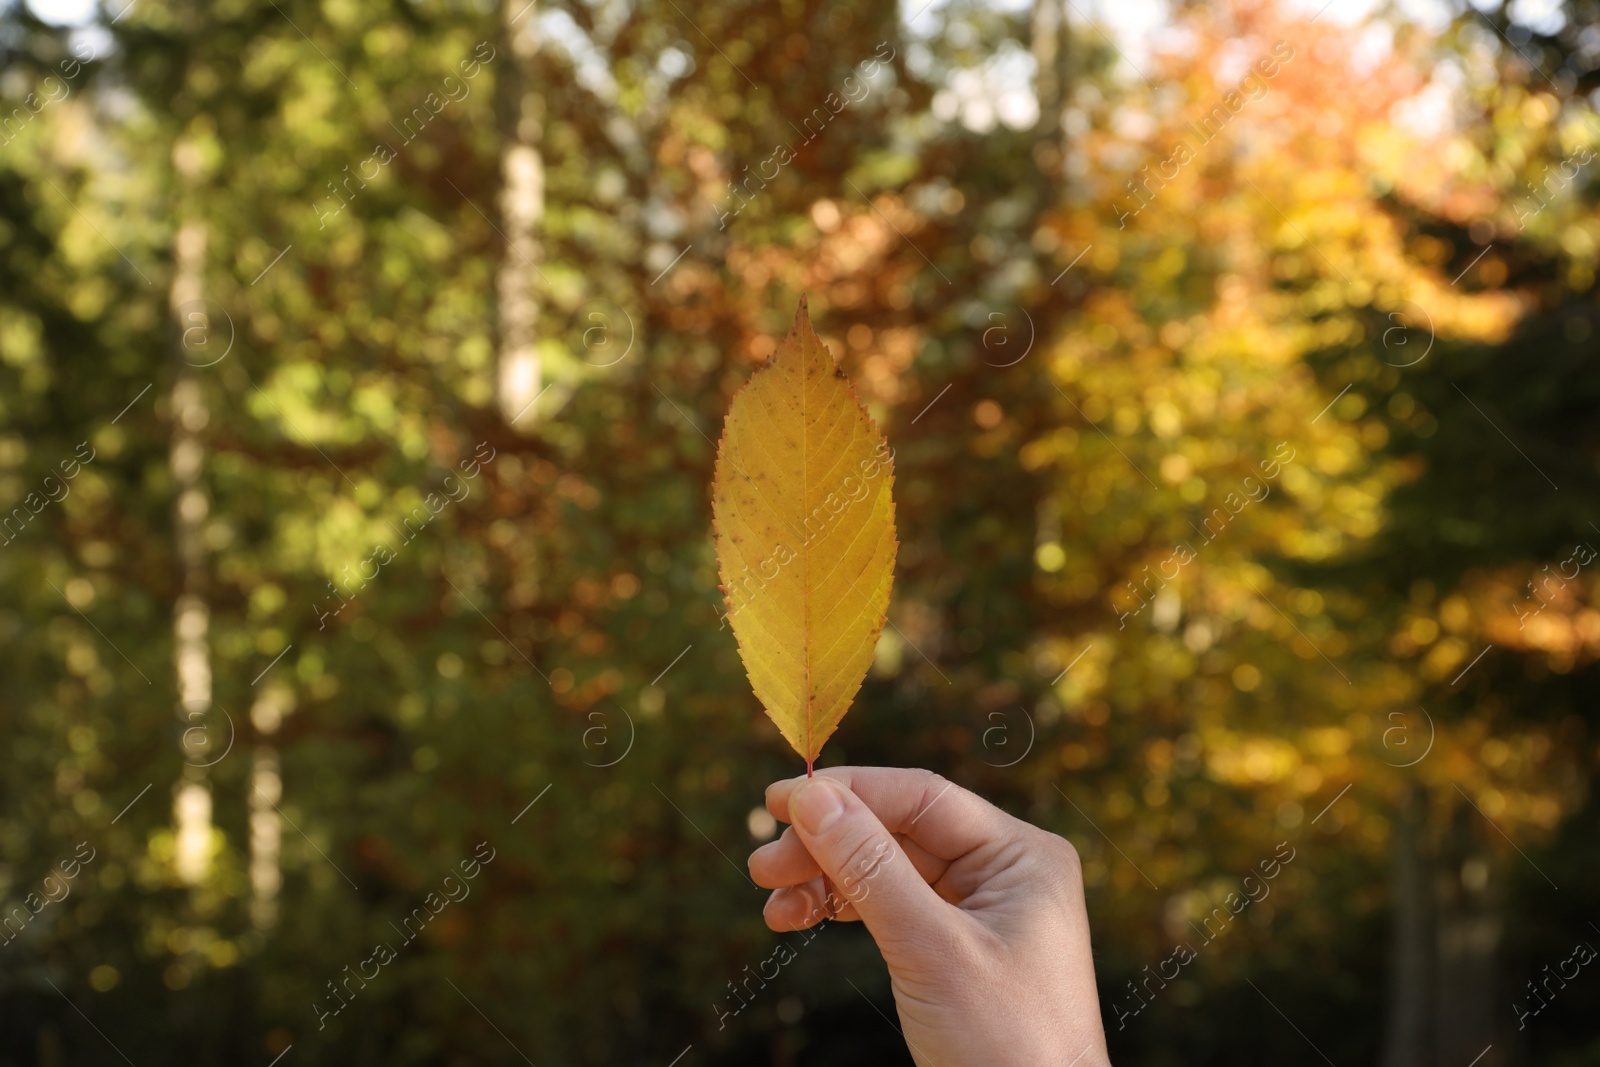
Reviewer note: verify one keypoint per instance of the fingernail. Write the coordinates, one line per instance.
(805, 898)
(816, 805)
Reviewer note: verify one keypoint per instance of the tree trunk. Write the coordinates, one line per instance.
(1469, 931)
(1046, 45)
(191, 616)
(521, 209)
(1050, 45)
(266, 789)
(1411, 940)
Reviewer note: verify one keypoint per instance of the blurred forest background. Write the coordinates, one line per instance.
(360, 364)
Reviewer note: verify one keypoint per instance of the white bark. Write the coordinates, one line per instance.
(191, 809)
(521, 211)
(1047, 50)
(266, 790)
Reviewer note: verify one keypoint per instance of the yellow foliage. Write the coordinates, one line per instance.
(805, 536)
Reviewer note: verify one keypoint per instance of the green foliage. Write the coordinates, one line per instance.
(552, 634)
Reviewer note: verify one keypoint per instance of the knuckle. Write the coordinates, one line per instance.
(932, 785)
(935, 788)
(1060, 855)
(1066, 851)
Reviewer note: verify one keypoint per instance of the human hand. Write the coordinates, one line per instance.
(979, 916)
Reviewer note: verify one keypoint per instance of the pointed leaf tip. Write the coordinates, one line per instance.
(802, 319)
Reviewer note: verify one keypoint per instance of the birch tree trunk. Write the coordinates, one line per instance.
(1052, 58)
(266, 789)
(191, 619)
(521, 210)
(1046, 47)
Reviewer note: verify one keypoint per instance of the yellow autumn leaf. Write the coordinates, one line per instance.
(805, 536)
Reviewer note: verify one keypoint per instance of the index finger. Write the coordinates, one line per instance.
(937, 814)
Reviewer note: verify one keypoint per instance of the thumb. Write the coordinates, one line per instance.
(864, 862)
